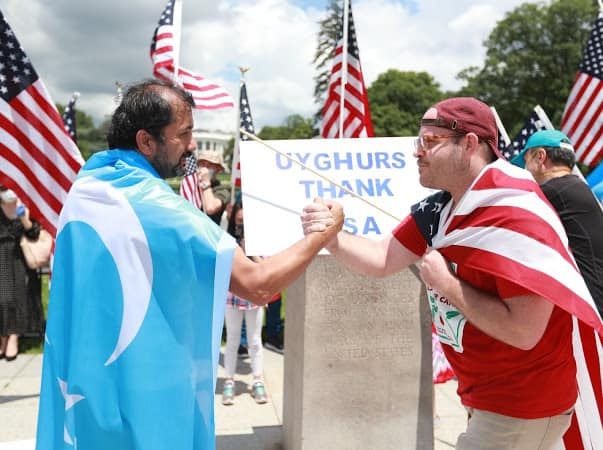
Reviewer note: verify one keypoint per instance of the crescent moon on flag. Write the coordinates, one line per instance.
(109, 213)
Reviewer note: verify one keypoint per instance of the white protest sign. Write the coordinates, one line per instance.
(275, 189)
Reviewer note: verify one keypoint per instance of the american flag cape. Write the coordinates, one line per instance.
(504, 226)
(207, 94)
(135, 314)
(38, 159)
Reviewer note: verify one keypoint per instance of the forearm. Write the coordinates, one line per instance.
(519, 321)
(368, 257)
(260, 281)
(211, 203)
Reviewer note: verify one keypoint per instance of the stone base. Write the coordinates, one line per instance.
(357, 361)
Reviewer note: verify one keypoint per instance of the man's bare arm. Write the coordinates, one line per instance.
(360, 254)
(258, 282)
(518, 321)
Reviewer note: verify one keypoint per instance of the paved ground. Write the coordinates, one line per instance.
(245, 425)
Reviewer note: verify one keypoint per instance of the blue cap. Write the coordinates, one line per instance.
(543, 138)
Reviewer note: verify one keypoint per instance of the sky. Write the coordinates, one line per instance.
(88, 45)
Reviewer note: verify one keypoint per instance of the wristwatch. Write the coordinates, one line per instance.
(205, 185)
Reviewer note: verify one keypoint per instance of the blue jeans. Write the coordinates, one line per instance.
(274, 323)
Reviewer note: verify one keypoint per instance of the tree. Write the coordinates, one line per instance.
(399, 99)
(325, 51)
(90, 139)
(294, 127)
(532, 58)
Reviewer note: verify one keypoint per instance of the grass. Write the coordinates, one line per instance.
(32, 343)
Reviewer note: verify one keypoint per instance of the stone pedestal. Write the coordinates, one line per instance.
(357, 361)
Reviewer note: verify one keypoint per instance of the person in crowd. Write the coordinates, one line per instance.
(214, 196)
(549, 156)
(20, 287)
(274, 325)
(238, 309)
(486, 243)
(140, 279)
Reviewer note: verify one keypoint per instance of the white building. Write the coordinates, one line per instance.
(215, 140)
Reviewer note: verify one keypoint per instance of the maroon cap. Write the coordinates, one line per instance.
(467, 115)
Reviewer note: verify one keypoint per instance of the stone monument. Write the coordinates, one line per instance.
(357, 361)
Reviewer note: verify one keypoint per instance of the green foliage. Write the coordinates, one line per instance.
(532, 57)
(294, 127)
(399, 99)
(90, 139)
(325, 50)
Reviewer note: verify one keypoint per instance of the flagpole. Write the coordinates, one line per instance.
(501, 127)
(235, 148)
(318, 174)
(177, 18)
(545, 119)
(118, 94)
(344, 65)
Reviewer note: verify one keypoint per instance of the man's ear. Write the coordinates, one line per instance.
(145, 143)
(472, 142)
(541, 155)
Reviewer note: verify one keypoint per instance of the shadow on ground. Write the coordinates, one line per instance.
(13, 398)
(266, 438)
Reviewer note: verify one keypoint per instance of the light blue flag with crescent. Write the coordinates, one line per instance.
(135, 314)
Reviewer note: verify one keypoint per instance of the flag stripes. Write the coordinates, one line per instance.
(547, 268)
(38, 159)
(356, 112)
(582, 121)
(207, 94)
(189, 189)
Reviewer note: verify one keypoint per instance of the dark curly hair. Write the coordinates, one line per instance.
(143, 108)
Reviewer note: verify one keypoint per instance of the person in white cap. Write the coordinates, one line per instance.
(20, 294)
(214, 196)
(549, 156)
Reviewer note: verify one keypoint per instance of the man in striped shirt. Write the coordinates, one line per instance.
(486, 243)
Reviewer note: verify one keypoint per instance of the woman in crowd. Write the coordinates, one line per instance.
(20, 293)
(237, 309)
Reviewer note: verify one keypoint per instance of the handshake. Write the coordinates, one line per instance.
(321, 216)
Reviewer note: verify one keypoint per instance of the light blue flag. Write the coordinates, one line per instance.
(135, 314)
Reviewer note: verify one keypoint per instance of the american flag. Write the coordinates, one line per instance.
(38, 158)
(69, 117)
(246, 123)
(189, 187)
(478, 233)
(357, 116)
(207, 94)
(537, 121)
(582, 119)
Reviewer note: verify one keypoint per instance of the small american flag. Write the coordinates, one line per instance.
(357, 116)
(537, 121)
(207, 94)
(246, 123)
(189, 187)
(69, 117)
(38, 159)
(582, 119)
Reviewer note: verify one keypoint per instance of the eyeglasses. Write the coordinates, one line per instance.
(425, 141)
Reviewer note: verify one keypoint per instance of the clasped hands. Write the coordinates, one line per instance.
(321, 216)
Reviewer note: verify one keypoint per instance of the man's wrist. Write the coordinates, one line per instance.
(205, 185)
